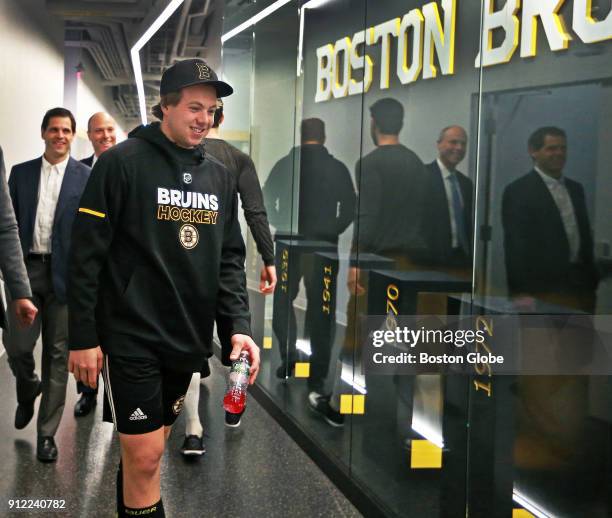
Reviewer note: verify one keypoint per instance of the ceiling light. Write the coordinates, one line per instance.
(254, 19)
(173, 5)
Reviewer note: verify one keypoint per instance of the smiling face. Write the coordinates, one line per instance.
(451, 147)
(551, 157)
(101, 133)
(189, 121)
(58, 136)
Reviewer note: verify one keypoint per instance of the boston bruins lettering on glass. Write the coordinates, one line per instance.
(427, 35)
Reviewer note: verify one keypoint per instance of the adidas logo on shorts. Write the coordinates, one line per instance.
(137, 415)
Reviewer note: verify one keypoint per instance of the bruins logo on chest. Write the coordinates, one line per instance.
(189, 237)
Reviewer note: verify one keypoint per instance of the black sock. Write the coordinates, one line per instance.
(153, 511)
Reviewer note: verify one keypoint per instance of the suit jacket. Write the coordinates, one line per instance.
(536, 246)
(436, 223)
(23, 185)
(11, 258)
(88, 161)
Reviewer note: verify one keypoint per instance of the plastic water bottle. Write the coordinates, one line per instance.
(237, 384)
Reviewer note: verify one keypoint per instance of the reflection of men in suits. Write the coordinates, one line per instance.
(446, 225)
(547, 235)
(101, 132)
(45, 194)
(11, 259)
(326, 209)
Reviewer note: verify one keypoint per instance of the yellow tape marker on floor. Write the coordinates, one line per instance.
(359, 404)
(267, 342)
(522, 513)
(346, 403)
(302, 370)
(425, 454)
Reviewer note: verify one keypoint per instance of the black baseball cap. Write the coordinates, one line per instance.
(192, 72)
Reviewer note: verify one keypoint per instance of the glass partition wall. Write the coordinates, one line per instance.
(444, 158)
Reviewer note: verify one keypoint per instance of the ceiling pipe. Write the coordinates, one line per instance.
(69, 9)
(102, 34)
(128, 80)
(190, 18)
(95, 50)
(120, 39)
(179, 30)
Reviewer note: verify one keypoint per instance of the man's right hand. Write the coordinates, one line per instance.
(267, 281)
(26, 312)
(86, 365)
(353, 281)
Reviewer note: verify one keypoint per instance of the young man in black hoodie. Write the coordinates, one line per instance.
(157, 254)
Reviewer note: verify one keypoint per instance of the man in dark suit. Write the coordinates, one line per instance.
(45, 193)
(447, 217)
(547, 235)
(11, 259)
(101, 131)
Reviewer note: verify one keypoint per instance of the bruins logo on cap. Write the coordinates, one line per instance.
(203, 70)
(188, 236)
(178, 405)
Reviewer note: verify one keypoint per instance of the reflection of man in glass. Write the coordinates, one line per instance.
(391, 180)
(326, 209)
(446, 227)
(547, 235)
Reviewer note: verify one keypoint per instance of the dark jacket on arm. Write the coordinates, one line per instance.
(12, 267)
(247, 183)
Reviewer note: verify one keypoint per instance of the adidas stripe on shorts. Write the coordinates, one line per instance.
(141, 394)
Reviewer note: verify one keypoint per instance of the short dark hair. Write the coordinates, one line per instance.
(536, 139)
(388, 115)
(313, 129)
(58, 112)
(169, 99)
(218, 114)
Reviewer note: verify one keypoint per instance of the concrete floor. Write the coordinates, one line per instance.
(256, 470)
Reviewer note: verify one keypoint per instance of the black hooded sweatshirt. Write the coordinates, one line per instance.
(156, 252)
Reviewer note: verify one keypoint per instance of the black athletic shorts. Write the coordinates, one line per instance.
(142, 394)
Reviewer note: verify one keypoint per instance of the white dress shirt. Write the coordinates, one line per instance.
(446, 180)
(558, 191)
(51, 177)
